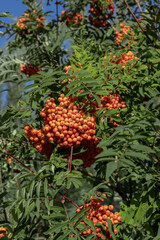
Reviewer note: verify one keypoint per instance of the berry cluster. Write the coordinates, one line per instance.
(124, 59)
(29, 70)
(111, 101)
(24, 27)
(8, 160)
(69, 80)
(4, 232)
(98, 213)
(39, 141)
(65, 125)
(97, 15)
(71, 18)
(66, 69)
(124, 30)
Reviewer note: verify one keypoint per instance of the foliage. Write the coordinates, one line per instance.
(84, 91)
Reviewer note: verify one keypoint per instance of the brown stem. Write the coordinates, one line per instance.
(57, 17)
(138, 3)
(13, 140)
(152, 63)
(66, 211)
(138, 22)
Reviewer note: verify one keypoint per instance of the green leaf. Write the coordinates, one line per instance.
(64, 235)
(38, 204)
(6, 14)
(110, 168)
(97, 99)
(56, 228)
(90, 223)
(103, 230)
(77, 162)
(38, 188)
(142, 148)
(31, 188)
(158, 234)
(45, 187)
(107, 153)
(136, 155)
(55, 216)
(110, 226)
(79, 216)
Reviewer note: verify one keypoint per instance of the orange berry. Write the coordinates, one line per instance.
(110, 207)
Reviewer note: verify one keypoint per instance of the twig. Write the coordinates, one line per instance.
(17, 159)
(137, 21)
(66, 211)
(138, 3)
(13, 140)
(152, 63)
(111, 24)
(57, 17)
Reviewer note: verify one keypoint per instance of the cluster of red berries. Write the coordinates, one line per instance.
(29, 70)
(98, 213)
(39, 141)
(97, 16)
(4, 232)
(24, 27)
(65, 125)
(71, 18)
(124, 30)
(124, 59)
(74, 76)
(111, 101)
(8, 160)
(66, 69)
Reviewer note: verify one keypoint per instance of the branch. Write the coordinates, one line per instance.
(138, 3)
(57, 17)
(137, 21)
(13, 140)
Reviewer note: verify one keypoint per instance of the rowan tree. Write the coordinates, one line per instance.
(80, 121)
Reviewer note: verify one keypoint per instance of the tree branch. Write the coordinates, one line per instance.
(137, 21)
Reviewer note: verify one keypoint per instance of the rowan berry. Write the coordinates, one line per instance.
(110, 207)
(97, 213)
(4, 232)
(24, 23)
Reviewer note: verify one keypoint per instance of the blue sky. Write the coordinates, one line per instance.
(16, 8)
